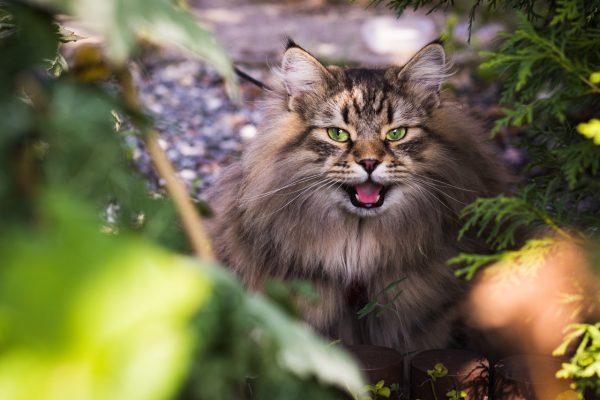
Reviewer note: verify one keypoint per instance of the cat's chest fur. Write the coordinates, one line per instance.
(340, 248)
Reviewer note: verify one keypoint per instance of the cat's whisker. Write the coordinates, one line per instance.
(425, 191)
(278, 192)
(313, 186)
(437, 189)
(331, 184)
(270, 192)
(431, 180)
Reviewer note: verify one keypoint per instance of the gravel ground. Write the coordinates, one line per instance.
(201, 129)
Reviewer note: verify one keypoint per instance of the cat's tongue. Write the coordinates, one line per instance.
(368, 192)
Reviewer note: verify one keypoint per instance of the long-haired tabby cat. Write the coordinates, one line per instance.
(355, 181)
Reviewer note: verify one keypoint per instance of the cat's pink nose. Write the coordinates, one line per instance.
(369, 164)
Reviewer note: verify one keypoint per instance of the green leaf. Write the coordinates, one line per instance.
(439, 371)
(66, 35)
(122, 22)
(300, 351)
(367, 309)
(374, 304)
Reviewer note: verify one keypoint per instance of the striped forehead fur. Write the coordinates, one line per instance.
(404, 91)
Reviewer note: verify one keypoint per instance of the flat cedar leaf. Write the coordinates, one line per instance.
(565, 10)
(524, 73)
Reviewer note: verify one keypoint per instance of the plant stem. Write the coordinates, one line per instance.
(192, 223)
(189, 215)
(433, 389)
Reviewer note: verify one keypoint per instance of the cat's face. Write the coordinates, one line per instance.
(367, 127)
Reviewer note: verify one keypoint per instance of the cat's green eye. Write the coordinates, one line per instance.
(396, 134)
(338, 134)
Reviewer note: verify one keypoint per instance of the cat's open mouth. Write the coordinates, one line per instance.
(366, 195)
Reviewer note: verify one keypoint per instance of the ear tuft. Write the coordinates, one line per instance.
(427, 69)
(290, 43)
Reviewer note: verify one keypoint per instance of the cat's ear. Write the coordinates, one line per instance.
(302, 73)
(426, 71)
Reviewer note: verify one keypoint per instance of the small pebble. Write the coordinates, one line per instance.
(188, 174)
(163, 143)
(248, 132)
(187, 150)
(212, 103)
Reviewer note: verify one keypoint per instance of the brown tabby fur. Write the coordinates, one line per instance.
(281, 212)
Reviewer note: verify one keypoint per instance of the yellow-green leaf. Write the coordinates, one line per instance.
(89, 316)
(384, 392)
(590, 130)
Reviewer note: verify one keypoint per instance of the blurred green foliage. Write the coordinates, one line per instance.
(84, 315)
(94, 301)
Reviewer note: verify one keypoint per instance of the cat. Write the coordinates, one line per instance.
(355, 182)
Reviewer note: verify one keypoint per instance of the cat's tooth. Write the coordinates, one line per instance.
(376, 200)
(356, 196)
